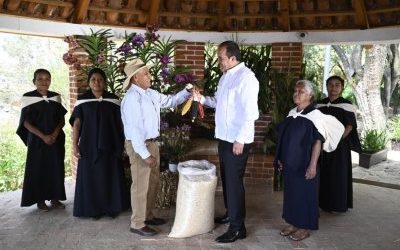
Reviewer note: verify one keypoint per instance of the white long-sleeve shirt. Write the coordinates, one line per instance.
(236, 106)
(140, 112)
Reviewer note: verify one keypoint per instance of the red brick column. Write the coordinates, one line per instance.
(287, 57)
(77, 85)
(191, 55)
(259, 166)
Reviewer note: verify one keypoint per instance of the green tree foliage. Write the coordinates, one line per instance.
(313, 68)
(313, 64)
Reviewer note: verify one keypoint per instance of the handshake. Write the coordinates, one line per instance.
(193, 103)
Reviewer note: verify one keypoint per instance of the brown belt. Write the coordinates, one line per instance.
(152, 140)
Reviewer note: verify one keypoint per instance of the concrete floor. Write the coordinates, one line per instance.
(374, 223)
(384, 174)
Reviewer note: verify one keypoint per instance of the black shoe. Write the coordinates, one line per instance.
(222, 220)
(155, 222)
(144, 231)
(232, 235)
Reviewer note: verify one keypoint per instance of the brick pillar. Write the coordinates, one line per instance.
(191, 55)
(287, 57)
(77, 85)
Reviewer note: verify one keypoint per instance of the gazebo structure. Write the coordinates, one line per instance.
(215, 15)
(284, 24)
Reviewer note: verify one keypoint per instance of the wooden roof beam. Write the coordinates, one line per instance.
(222, 6)
(361, 14)
(52, 2)
(284, 9)
(81, 9)
(153, 12)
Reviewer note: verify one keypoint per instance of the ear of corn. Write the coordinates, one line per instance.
(187, 106)
(194, 109)
(201, 111)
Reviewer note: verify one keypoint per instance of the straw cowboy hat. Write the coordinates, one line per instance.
(132, 68)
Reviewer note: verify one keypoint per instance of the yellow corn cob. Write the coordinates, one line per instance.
(187, 106)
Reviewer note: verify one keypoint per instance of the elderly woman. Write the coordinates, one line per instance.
(336, 184)
(40, 128)
(301, 135)
(98, 144)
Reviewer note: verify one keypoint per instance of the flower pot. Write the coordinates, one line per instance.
(367, 160)
(173, 167)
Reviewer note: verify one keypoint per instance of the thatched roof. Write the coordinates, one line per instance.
(215, 15)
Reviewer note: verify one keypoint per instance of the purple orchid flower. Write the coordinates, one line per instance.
(180, 79)
(185, 127)
(165, 59)
(124, 49)
(164, 125)
(137, 40)
(165, 72)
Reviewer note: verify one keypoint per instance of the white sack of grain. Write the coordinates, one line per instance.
(195, 199)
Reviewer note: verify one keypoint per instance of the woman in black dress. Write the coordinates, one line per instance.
(301, 135)
(40, 128)
(336, 186)
(98, 144)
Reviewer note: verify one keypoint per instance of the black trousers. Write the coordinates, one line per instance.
(232, 172)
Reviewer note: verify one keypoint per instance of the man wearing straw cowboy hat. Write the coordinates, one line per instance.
(140, 111)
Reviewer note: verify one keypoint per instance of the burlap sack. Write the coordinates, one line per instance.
(195, 200)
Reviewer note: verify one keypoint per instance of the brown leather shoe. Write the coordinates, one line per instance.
(42, 206)
(144, 231)
(57, 204)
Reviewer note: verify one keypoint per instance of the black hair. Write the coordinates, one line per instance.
(40, 71)
(97, 71)
(232, 49)
(335, 78)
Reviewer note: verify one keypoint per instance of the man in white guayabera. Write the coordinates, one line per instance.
(140, 111)
(236, 111)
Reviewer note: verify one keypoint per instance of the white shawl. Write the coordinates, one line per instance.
(327, 125)
(115, 101)
(29, 100)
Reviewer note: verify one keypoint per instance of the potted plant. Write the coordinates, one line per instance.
(373, 147)
(175, 143)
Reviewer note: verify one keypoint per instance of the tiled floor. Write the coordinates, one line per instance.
(374, 223)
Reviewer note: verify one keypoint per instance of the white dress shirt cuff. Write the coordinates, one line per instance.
(202, 100)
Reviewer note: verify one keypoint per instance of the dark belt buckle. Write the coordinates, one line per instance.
(152, 140)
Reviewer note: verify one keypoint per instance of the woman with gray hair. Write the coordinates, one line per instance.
(302, 135)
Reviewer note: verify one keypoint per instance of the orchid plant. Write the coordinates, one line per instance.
(103, 52)
(175, 141)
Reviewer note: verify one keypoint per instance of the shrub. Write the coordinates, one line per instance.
(12, 160)
(13, 157)
(373, 140)
(394, 128)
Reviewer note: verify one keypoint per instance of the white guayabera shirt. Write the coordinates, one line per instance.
(236, 105)
(140, 113)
